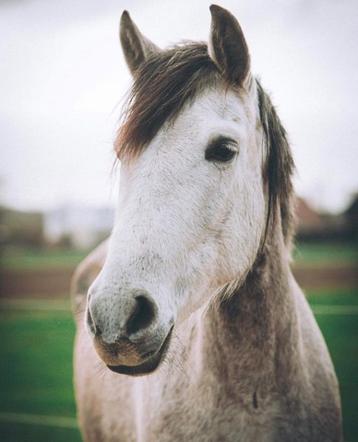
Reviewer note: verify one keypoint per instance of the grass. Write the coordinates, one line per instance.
(32, 433)
(36, 372)
(333, 297)
(18, 258)
(36, 366)
(326, 253)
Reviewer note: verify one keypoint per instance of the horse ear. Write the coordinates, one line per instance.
(136, 47)
(227, 46)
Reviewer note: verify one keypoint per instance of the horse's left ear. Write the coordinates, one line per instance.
(136, 47)
(227, 46)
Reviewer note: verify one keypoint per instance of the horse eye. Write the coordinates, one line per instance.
(221, 150)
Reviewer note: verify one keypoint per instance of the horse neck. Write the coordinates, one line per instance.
(247, 335)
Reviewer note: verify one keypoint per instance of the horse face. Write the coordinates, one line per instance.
(190, 219)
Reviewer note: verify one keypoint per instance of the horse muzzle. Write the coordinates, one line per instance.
(127, 333)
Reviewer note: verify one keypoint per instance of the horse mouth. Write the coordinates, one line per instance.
(149, 365)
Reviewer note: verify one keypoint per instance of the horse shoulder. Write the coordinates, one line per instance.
(323, 388)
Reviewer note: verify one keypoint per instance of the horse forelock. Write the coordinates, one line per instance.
(163, 85)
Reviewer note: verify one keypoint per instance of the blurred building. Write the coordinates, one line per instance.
(309, 221)
(21, 228)
(78, 226)
(313, 225)
(84, 227)
(351, 217)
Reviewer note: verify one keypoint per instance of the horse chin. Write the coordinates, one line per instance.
(149, 365)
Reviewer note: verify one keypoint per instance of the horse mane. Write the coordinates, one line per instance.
(171, 79)
(279, 166)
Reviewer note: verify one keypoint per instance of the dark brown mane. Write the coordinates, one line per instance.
(171, 79)
(279, 165)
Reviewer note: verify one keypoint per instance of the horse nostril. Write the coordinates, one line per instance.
(121, 316)
(142, 316)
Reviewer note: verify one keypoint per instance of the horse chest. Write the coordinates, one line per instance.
(204, 413)
(210, 425)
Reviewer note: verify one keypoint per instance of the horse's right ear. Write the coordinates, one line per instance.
(136, 47)
(227, 46)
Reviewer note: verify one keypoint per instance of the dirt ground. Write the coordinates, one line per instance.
(35, 283)
(55, 282)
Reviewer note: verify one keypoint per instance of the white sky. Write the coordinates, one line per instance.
(62, 76)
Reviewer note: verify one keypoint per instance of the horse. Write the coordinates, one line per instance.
(190, 324)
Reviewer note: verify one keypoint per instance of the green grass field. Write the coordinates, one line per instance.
(323, 254)
(36, 366)
(16, 258)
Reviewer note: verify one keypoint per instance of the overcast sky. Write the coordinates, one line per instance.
(62, 76)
